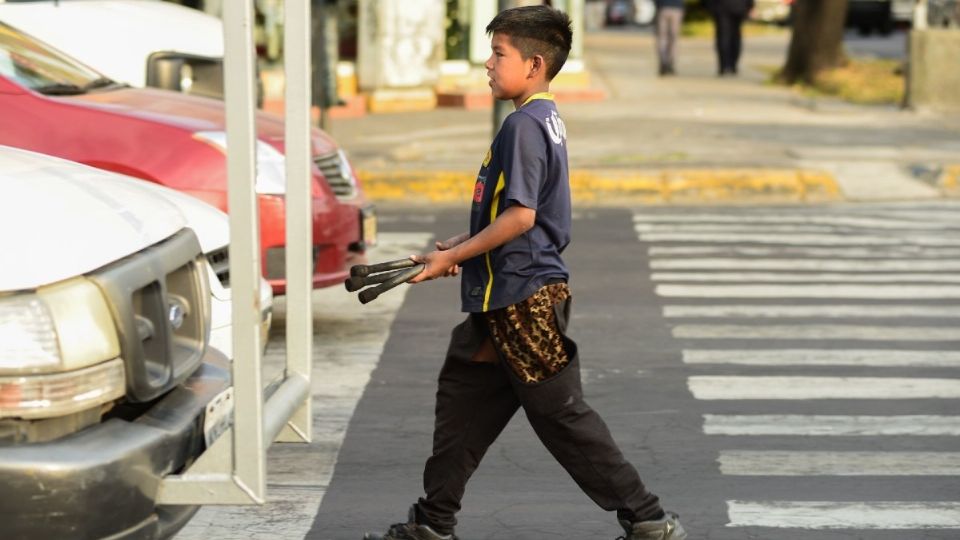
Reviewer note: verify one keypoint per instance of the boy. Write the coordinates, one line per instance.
(511, 352)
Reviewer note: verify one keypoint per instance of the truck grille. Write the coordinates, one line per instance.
(337, 171)
(160, 301)
(220, 262)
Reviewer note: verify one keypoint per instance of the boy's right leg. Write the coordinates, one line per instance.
(475, 401)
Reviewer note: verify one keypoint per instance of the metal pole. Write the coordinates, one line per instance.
(240, 97)
(299, 202)
(501, 108)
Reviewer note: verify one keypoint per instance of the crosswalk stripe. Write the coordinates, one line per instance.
(802, 239)
(830, 425)
(823, 357)
(822, 265)
(783, 277)
(816, 331)
(696, 219)
(845, 252)
(879, 291)
(719, 387)
(844, 515)
(827, 311)
(821, 463)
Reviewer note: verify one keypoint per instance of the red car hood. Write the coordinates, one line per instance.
(191, 113)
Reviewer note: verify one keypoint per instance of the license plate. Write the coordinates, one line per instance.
(218, 417)
(369, 226)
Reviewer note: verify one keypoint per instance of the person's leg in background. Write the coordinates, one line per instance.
(736, 42)
(669, 20)
(724, 33)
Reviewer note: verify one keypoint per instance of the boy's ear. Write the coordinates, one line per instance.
(537, 65)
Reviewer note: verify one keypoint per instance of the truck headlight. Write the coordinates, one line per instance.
(271, 164)
(59, 351)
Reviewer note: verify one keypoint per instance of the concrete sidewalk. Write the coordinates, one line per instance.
(690, 138)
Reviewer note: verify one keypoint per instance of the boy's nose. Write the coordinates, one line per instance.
(489, 63)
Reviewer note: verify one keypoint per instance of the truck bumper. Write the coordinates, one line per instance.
(103, 481)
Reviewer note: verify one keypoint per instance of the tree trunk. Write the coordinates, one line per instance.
(817, 40)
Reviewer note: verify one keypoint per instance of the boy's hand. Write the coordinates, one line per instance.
(437, 264)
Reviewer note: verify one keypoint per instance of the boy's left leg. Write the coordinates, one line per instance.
(543, 365)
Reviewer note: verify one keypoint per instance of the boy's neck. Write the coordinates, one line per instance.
(542, 87)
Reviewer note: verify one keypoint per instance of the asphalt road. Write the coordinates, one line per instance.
(773, 372)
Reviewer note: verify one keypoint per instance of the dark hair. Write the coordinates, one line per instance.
(536, 30)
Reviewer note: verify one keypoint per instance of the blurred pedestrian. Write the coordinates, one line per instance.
(728, 17)
(669, 20)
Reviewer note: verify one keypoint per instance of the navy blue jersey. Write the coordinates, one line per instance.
(526, 165)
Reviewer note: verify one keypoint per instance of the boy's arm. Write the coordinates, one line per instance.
(513, 222)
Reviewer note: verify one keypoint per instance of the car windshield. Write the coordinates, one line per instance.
(39, 67)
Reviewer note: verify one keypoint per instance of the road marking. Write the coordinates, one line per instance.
(718, 387)
(823, 357)
(822, 265)
(880, 291)
(830, 311)
(803, 239)
(830, 425)
(816, 331)
(844, 515)
(817, 463)
(699, 219)
(785, 277)
(846, 252)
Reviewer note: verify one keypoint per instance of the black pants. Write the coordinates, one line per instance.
(729, 39)
(476, 400)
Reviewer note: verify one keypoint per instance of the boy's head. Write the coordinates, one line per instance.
(536, 31)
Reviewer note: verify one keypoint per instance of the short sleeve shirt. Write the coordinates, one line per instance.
(526, 165)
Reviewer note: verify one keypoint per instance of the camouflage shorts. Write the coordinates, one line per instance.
(527, 337)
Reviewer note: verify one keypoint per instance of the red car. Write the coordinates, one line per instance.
(52, 104)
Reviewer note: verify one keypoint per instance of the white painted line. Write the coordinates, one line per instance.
(893, 515)
(830, 425)
(803, 239)
(822, 311)
(731, 228)
(816, 331)
(719, 387)
(845, 252)
(822, 265)
(800, 219)
(818, 463)
(824, 357)
(785, 277)
(879, 292)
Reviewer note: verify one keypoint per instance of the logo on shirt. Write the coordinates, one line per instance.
(478, 189)
(556, 128)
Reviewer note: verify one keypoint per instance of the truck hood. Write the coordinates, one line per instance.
(210, 224)
(191, 113)
(62, 219)
(116, 37)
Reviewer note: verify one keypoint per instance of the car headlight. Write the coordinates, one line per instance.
(59, 351)
(271, 164)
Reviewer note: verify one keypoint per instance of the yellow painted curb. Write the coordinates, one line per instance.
(611, 187)
(950, 180)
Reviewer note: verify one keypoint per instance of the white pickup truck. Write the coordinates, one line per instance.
(137, 42)
(106, 372)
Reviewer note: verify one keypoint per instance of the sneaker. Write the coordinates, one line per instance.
(666, 528)
(411, 530)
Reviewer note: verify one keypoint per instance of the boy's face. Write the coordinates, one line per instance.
(509, 73)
